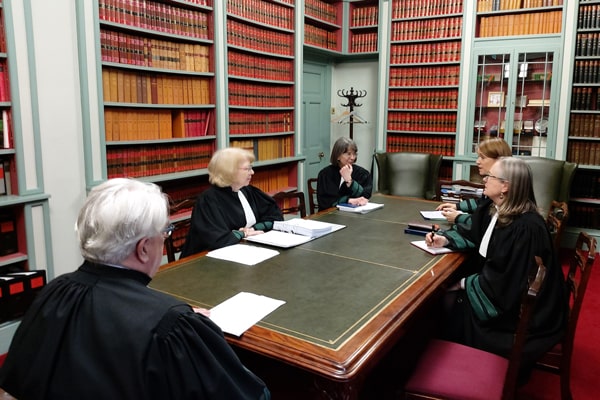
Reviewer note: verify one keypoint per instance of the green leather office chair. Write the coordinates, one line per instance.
(551, 180)
(408, 174)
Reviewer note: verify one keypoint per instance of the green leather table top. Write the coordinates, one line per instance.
(331, 285)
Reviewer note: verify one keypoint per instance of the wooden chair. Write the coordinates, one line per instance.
(468, 190)
(556, 220)
(291, 203)
(558, 359)
(180, 218)
(449, 370)
(313, 202)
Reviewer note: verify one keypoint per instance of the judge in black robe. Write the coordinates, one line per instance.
(343, 181)
(487, 305)
(101, 333)
(230, 209)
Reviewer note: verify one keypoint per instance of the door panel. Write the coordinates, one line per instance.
(315, 114)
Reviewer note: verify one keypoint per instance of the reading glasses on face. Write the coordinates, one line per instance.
(247, 169)
(487, 176)
(168, 231)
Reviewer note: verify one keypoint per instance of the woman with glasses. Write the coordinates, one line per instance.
(343, 181)
(230, 209)
(508, 232)
(101, 333)
(459, 214)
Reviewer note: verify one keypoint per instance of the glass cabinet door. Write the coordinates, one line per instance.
(513, 95)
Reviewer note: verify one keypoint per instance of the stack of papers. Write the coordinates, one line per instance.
(285, 240)
(431, 250)
(305, 227)
(359, 209)
(243, 254)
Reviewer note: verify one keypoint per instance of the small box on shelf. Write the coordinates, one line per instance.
(17, 292)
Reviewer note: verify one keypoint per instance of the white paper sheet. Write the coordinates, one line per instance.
(243, 254)
(238, 313)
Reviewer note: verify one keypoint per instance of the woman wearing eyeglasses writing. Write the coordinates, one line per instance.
(230, 209)
(508, 232)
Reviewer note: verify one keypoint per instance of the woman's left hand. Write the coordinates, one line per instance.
(359, 201)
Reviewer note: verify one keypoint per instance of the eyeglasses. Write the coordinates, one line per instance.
(247, 169)
(168, 231)
(487, 176)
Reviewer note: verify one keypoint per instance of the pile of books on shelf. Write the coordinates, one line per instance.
(456, 193)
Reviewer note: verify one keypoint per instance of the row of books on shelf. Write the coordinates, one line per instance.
(425, 122)
(259, 67)
(584, 125)
(364, 16)
(320, 37)
(498, 5)
(364, 42)
(6, 139)
(2, 32)
(4, 82)
(584, 216)
(123, 48)
(260, 95)
(536, 23)
(585, 98)
(130, 125)
(263, 12)
(260, 122)
(420, 53)
(321, 10)
(587, 71)
(157, 16)
(6, 175)
(420, 8)
(425, 76)
(423, 99)
(585, 153)
(443, 145)
(255, 38)
(586, 184)
(588, 44)
(427, 29)
(18, 289)
(149, 88)
(267, 148)
(589, 17)
(149, 160)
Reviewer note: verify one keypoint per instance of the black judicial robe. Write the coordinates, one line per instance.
(218, 213)
(493, 294)
(101, 333)
(329, 191)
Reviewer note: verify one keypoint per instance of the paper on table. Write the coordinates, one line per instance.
(286, 240)
(243, 254)
(435, 215)
(238, 313)
(431, 250)
(360, 209)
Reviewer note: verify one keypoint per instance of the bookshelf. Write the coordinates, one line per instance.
(25, 242)
(363, 27)
(584, 120)
(261, 88)
(323, 25)
(424, 75)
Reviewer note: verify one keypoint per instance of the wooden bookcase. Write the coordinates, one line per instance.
(584, 123)
(261, 88)
(424, 75)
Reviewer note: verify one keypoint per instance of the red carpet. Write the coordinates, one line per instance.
(585, 368)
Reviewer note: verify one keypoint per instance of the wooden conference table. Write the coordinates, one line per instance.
(349, 295)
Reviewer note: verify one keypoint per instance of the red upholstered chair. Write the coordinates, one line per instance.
(448, 370)
(558, 359)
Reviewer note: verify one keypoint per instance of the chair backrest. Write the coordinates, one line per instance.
(180, 214)
(580, 270)
(527, 305)
(313, 203)
(556, 220)
(291, 203)
(551, 180)
(408, 174)
(457, 190)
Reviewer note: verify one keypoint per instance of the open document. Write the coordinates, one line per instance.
(294, 232)
(238, 313)
(431, 250)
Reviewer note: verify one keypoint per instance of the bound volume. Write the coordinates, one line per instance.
(304, 227)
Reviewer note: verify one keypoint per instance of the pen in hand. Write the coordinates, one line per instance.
(430, 238)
